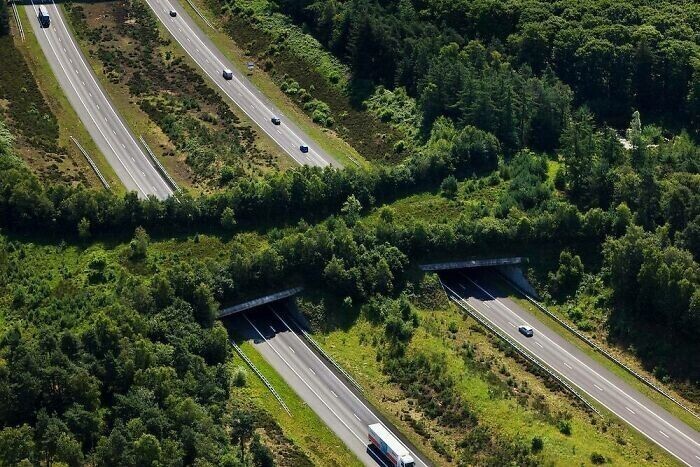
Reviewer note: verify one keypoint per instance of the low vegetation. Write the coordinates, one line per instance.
(31, 120)
(200, 126)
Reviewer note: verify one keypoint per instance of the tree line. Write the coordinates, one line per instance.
(617, 57)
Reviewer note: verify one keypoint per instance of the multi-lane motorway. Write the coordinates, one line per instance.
(240, 90)
(102, 121)
(273, 334)
(477, 290)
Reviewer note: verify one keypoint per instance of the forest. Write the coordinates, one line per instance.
(539, 125)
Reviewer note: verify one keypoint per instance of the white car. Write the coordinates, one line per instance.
(228, 74)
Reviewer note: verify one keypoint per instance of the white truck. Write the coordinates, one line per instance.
(43, 16)
(394, 451)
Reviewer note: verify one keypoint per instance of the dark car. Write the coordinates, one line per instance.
(303, 148)
(276, 120)
(173, 13)
(526, 331)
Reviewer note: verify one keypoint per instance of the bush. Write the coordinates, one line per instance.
(597, 458)
(537, 444)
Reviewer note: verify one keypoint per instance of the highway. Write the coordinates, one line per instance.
(476, 288)
(90, 102)
(272, 333)
(240, 90)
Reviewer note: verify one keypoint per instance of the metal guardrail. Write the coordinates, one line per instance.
(473, 263)
(261, 376)
(524, 353)
(597, 348)
(20, 28)
(315, 344)
(196, 10)
(92, 163)
(158, 165)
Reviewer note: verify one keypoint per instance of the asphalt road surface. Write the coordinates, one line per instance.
(272, 334)
(240, 90)
(630, 405)
(90, 102)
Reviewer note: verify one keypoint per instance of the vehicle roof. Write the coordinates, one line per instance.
(389, 439)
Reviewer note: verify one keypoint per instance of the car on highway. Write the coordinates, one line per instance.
(303, 148)
(276, 120)
(173, 13)
(228, 74)
(526, 331)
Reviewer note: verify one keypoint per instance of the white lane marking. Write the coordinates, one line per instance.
(487, 304)
(630, 410)
(312, 371)
(280, 132)
(71, 61)
(273, 329)
(664, 434)
(360, 438)
(89, 94)
(358, 418)
(509, 322)
(59, 39)
(342, 384)
(568, 366)
(290, 348)
(75, 88)
(83, 83)
(123, 145)
(598, 387)
(648, 436)
(334, 394)
(323, 162)
(592, 371)
(97, 105)
(697, 457)
(132, 158)
(75, 47)
(540, 345)
(143, 173)
(114, 131)
(64, 50)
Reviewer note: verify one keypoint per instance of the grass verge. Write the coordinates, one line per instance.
(512, 406)
(328, 140)
(304, 427)
(69, 123)
(657, 398)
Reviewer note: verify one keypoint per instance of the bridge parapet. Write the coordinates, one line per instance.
(259, 301)
(473, 263)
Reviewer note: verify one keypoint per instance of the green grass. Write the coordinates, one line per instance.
(659, 399)
(68, 121)
(504, 416)
(303, 427)
(326, 139)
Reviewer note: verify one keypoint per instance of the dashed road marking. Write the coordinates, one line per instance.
(334, 394)
(541, 347)
(312, 370)
(664, 434)
(630, 410)
(598, 387)
(123, 145)
(358, 418)
(568, 366)
(290, 348)
(511, 323)
(273, 329)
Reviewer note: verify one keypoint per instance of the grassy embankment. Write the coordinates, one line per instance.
(622, 355)
(329, 140)
(44, 121)
(304, 428)
(185, 119)
(309, 75)
(510, 404)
